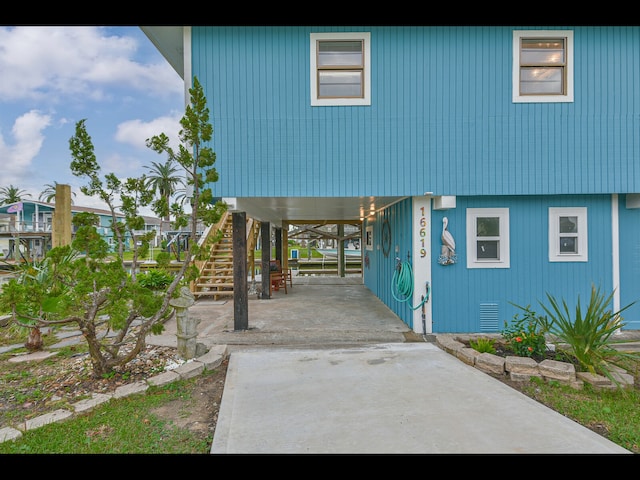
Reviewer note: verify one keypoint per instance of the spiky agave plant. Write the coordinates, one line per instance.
(587, 335)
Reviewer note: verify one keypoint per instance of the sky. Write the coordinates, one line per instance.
(53, 77)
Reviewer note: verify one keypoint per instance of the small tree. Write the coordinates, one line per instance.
(84, 285)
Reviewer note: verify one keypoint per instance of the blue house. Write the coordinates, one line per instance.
(491, 165)
(29, 224)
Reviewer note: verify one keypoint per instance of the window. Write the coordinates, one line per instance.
(568, 234)
(542, 66)
(340, 69)
(488, 238)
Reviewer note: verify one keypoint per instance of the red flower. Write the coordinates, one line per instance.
(530, 349)
(518, 339)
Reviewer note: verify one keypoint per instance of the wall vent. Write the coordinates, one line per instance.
(489, 317)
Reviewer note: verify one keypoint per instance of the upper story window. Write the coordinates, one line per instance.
(542, 66)
(568, 234)
(340, 69)
(488, 238)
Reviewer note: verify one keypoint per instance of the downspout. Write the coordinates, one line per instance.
(615, 252)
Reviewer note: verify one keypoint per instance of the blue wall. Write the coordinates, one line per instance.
(378, 276)
(458, 293)
(461, 297)
(441, 120)
(629, 263)
(441, 117)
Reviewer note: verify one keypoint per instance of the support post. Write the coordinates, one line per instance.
(278, 232)
(265, 231)
(61, 228)
(240, 283)
(340, 257)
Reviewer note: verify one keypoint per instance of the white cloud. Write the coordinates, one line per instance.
(27, 135)
(51, 77)
(136, 132)
(55, 64)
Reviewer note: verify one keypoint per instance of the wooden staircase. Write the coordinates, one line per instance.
(216, 273)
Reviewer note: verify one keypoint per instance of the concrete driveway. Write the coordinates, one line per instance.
(327, 368)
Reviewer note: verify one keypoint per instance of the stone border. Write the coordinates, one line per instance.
(522, 369)
(192, 368)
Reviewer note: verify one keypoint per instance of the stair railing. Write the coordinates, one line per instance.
(205, 238)
(253, 229)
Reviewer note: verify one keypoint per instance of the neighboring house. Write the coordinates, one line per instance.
(30, 223)
(6, 221)
(526, 139)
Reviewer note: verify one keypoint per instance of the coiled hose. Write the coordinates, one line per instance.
(402, 284)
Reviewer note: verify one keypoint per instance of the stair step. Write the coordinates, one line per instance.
(227, 293)
(216, 279)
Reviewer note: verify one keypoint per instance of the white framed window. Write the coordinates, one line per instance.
(542, 66)
(340, 68)
(568, 234)
(488, 238)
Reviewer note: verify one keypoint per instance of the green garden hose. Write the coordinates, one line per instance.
(402, 284)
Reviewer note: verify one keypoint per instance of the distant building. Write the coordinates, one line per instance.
(29, 225)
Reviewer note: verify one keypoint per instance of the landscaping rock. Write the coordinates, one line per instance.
(490, 363)
(555, 370)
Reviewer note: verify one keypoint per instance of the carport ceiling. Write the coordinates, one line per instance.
(309, 209)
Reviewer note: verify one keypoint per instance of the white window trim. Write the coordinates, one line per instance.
(517, 98)
(328, 102)
(554, 234)
(472, 215)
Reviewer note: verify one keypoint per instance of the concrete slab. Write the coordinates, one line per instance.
(384, 398)
(32, 357)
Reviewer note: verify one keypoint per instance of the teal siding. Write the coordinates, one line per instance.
(378, 276)
(441, 117)
(441, 120)
(460, 296)
(629, 263)
(481, 300)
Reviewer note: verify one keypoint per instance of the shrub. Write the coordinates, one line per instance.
(163, 259)
(483, 345)
(156, 279)
(588, 335)
(526, 335)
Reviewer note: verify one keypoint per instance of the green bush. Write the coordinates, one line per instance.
(157, 279)
(526, 335)
(483, 345)
(163, 259)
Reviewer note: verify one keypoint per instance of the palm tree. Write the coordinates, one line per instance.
(49, 193)
(182, 195)
(163, 180)
(12, 194)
